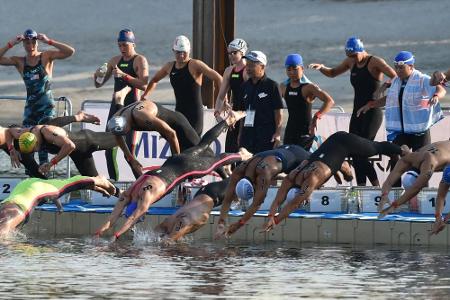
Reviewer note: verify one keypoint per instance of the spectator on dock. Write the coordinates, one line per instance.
(234, 77)
(366, 76)
(301, 125)
(36, 69)
(186, 77)
(411, 105)
(261, 99)
(130, 71)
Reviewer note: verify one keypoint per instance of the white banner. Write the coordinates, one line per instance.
(152, 150)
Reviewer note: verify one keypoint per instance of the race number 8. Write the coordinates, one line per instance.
(325, 200)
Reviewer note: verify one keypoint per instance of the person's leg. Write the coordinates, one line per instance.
(186, 134)
(84, 163)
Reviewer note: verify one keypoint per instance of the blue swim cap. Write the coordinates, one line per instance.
(404, 58)
(293, 60)
(244, 189)
(446, 174)
(129, 210)
(30, 34)
(354, 45)
(126, 35)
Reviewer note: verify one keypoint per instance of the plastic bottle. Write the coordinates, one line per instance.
(352, 202)
(101, 73)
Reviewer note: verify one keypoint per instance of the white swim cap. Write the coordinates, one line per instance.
(409, 178)
(181, 43)
(244, 189)
(117, 125)
(293, 192)
(238, 45)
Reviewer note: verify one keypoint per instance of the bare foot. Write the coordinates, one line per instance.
(101, 183)
(245, 154)
(234, 116)
(119, 96)
(405, 150)
(82, 116)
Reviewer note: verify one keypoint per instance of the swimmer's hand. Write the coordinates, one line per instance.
(269, 225)
(363, 110)
(221, 231)
(438, 78)
(438, 226)
(15, 158)
(386, 211)
(383, 201)
(315, 66)
(232, 229)
(45, 168)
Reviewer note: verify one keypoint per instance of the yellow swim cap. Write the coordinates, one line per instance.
(27, 141)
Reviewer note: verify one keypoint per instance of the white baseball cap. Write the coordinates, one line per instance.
(181, 43)
(257, 56)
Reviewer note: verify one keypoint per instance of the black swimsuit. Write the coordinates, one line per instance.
(341, 145)
(215, 190)
(188, 96)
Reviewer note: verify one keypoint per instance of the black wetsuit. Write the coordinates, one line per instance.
(236, 80)
(188, 96)
(195, 162)
(297, 127)
(132, 96)
(290, 156)
(341, 145)
(215, 190)
(86, 142)
(366, 125)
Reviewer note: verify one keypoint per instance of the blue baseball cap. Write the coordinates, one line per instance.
(126, 35)
(30, 34)
(404, 58)
(354, 45)
(293, 60)
(446, 175)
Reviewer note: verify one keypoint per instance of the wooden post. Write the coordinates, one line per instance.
(213, 29)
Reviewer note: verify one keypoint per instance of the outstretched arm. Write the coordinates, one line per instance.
(117, 211)
(261, 187)
(426, 171)
(163, 72)
(142, 208)
(134, 163)
(332, 72)
(401, 167)
(439, 223)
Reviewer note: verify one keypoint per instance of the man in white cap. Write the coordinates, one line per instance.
(186, 77)
(261, 99)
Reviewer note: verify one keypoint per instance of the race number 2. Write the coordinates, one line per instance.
(7, 185)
